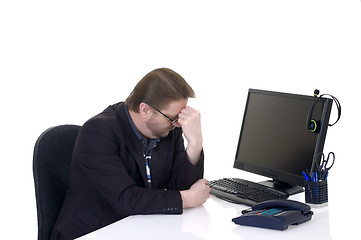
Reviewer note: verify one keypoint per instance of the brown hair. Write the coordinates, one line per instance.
(159, 87)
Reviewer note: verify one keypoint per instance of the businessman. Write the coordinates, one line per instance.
(131, 159)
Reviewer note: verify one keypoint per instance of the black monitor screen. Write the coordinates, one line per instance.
(274, 140)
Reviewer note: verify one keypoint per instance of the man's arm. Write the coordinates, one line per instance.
(190, 122)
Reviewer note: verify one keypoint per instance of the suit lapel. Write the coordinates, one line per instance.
(131, 142)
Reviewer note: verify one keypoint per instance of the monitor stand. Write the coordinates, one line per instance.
(282, 186)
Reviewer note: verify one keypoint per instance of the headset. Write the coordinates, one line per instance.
(313, 125)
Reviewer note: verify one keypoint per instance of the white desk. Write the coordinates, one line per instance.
(213, 220)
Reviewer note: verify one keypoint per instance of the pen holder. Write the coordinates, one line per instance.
(316, 192)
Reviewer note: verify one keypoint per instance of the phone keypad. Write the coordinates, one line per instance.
(270, 212)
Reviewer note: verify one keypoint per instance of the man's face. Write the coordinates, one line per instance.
(160, 123)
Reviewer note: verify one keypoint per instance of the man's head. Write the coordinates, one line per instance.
(157, 100)
(158, 88)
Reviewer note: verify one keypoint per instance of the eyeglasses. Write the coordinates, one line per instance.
(169, 119)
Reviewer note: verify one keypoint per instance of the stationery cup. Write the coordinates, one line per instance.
(316, 192)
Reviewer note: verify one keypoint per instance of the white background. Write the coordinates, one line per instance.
(65, 61)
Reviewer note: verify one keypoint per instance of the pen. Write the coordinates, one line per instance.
(314, 176)
(305, 175)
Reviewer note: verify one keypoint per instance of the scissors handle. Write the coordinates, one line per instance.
(321, 170)
(328, 159)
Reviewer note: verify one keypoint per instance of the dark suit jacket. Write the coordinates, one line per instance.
(107, 179)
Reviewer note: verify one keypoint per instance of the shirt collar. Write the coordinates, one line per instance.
(135, 130)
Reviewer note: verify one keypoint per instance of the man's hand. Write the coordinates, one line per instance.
(196, 195)
(190, 122)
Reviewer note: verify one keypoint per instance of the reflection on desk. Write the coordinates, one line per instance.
(185, 226)
(213, 220)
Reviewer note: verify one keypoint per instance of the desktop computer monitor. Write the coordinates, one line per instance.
(274, 140)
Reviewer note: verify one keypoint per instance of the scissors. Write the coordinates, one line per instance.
(325, 165)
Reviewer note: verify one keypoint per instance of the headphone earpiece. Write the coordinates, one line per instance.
(314, 126)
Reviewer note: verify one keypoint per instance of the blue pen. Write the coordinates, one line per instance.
(305, 175)
(314, 176)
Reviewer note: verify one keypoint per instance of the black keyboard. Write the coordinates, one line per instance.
(245, 192)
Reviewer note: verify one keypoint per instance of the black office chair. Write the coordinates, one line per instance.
(52, 157)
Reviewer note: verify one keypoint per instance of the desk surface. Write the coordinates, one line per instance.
(213, 220)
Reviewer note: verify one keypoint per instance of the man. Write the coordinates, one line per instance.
(130, 159)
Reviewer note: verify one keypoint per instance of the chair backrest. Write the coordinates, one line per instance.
(51, 161)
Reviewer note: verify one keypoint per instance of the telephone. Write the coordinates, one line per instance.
(275, 214)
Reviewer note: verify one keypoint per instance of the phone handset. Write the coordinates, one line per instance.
(281, 204)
